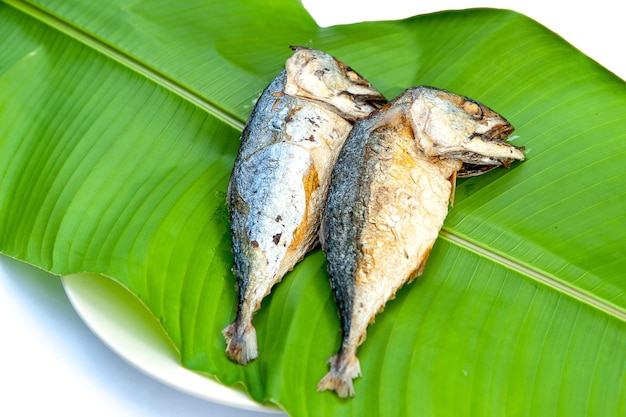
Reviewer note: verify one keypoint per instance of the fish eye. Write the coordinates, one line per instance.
(319, 73)
(473, 109)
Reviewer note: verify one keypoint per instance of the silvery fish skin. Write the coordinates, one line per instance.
(388, 198)
(281, 175)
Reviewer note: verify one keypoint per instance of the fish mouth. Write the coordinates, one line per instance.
(498, 133)
(475, 164)
(360, 104)
(473, 170)
(373, 100)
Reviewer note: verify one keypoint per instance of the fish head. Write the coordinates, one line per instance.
(317, 76)
(456, 127)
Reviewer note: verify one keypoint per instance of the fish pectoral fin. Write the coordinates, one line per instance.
(392, 116)
(343, 369)
(452, 188)
(420, 267)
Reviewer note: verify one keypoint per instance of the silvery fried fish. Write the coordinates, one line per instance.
(281, 176)
(388, 198)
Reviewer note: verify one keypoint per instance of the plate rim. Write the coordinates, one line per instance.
(145, 346)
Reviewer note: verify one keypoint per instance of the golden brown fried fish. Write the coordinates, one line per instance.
(388, 198)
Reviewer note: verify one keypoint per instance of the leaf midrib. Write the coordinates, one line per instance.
(238, 123)
(540, 276)
(128, 61)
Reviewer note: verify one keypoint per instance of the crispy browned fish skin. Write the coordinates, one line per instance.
(388, 198)
(281, 175)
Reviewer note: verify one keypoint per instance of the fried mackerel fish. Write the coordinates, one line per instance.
(388, 198)
(281, 175)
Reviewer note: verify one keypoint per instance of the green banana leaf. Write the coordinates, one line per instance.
(120, 122)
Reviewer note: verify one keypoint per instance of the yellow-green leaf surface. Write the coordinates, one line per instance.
(120, 122)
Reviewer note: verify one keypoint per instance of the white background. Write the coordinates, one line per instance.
(51, 363)
(597, 28)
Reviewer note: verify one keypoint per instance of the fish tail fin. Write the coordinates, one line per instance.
(343, 369)
(241, 343)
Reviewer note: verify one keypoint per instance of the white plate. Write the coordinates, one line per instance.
(130, 330)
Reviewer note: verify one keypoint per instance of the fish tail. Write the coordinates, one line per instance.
(343, 369)
(241, 345)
